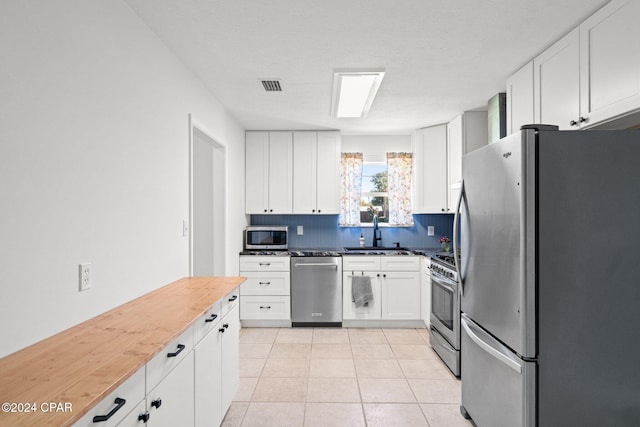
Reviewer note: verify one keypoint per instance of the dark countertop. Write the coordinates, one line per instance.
(309, 252)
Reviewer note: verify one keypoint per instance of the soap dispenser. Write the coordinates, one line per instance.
(361, 240)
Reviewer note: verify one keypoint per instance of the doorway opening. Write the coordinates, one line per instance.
(208, 207)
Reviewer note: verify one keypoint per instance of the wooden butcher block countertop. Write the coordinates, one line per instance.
(83, 364)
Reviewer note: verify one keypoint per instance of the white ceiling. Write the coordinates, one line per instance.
(441, 57)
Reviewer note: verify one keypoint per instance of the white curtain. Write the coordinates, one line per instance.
(399, 167)
(351, 174)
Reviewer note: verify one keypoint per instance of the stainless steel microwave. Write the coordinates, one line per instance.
(266, 237)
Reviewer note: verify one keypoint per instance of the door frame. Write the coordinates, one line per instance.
(218, 142)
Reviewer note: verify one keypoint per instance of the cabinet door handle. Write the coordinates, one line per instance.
(221, 330)
(573, 123)
(156, 403)
(119, 402)
(211, 318)
(265, 210)
(226, 325)
(582, 119)
(266, 306)
(144, 417)
(319, 211)
(313, 210)
(233, 298)
(174, 354)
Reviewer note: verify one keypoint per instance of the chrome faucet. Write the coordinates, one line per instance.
(376, 235)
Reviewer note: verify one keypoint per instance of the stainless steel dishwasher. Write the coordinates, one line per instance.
(316, 291)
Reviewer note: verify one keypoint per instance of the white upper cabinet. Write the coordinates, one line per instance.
(269, 172)
(591, 75)
(316, 172)
(557, 85)
(520, 99)
(610, 62)
(430, 169)
(465, 133)
(328, 183)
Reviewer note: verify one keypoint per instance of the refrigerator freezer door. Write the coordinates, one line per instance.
(498, 388)
(496, 219)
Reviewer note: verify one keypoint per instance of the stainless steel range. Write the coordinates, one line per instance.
(445, 311)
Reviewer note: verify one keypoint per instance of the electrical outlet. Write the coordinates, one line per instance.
(85, 276)
(300, 230)
(431, 230)
(185, 228)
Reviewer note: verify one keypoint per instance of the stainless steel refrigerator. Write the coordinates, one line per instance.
(550, 279)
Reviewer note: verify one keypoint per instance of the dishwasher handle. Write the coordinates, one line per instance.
(316, 264)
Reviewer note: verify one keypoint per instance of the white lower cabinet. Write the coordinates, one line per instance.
(191, 382)
(401, 295)
(395, 285)
(119, 407)
(266, 294)
(230, 355)
(138, 416)
(425, 291)
(207, 356)
(372, 310)
(171, 402)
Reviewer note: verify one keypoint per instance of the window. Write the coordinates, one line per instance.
(374, 195)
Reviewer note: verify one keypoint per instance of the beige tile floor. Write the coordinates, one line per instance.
(342, 377)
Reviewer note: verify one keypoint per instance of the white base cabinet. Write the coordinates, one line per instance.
(266, 294)
(184, 384)
(395, 283)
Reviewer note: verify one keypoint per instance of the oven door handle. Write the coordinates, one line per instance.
(443, 282)
(456, 220)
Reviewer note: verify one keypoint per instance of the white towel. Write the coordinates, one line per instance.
(361, 293)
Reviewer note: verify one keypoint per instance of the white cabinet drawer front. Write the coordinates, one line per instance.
(229, 301)
(131, 391)
(265, 307)
(400, 263)
(164, 362)
(360, 263)
(264, 263)
(276, 283)
(206, 323)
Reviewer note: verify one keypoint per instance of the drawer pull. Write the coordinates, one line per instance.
(221, 330)
(156, 403)
(180, 348)
(268, 307)
(264, 283)
(233, 298)
(144, 417)
(226, 325)
(211, 318)
(265, 263)
(119, 404)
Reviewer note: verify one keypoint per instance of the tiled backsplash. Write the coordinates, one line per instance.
(323, 231)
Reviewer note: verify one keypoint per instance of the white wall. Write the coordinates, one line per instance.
(94, 163)
(375, 143)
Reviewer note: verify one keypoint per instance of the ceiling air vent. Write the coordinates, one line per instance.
(271, 85)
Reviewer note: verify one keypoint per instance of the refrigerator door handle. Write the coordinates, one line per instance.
(490, 349)
(456, 219)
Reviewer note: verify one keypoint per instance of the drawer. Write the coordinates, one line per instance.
(170, 356)
(264, 263)
(265, 307)
(361, 263)
(206, 323)
(229, 301)
(275, 283)
(131, 391)
(400, 263)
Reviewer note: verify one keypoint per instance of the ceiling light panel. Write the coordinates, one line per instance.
(354, 92)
